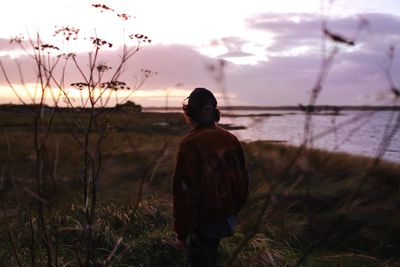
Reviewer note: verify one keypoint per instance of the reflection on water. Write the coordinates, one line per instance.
(360, 136)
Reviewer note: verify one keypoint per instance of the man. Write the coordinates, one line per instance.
(210, 182)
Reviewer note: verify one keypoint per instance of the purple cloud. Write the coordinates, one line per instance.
(233, 44)
(282, 79)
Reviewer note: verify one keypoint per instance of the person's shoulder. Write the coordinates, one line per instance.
(186, 141)
(201, 134)
(227, 133)
(234, 139)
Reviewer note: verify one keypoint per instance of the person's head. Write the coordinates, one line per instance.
(202, 107)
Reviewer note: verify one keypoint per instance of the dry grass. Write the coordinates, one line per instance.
(368, 235)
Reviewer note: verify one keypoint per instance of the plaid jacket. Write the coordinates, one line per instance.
(210, 181)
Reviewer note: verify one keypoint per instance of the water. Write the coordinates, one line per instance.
(356, 132)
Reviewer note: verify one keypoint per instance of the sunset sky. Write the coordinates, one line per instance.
(272, 49)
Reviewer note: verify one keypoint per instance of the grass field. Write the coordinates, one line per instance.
(330, 207)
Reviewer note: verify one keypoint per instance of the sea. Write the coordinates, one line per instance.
(367, 133)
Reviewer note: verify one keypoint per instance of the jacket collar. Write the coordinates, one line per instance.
(203, 127)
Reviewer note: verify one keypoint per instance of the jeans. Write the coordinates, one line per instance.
(203, 251)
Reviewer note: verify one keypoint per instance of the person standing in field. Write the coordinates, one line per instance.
(210, 182)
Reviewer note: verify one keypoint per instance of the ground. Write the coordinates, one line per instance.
(320, 208)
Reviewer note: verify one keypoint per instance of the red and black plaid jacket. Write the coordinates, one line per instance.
(210, 182)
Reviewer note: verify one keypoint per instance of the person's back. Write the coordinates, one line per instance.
(210, 182)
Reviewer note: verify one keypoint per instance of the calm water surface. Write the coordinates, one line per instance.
(356, 132)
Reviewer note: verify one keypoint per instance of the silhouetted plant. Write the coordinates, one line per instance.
(91, 134)
(299, 164)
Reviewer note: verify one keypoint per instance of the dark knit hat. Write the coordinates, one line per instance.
(198, 100)
(200, 97)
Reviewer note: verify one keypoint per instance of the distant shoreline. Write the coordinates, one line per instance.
(331, 108)
(290, 108)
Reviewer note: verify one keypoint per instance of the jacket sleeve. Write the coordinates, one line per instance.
(243, 190)
(186, 191)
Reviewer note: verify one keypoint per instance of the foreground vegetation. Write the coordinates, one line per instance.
(330, 207)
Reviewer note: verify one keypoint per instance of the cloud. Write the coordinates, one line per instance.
(289, 30)
(173, 63)
(4, 44)
(284, 79)
(356, 70)
(296, 29)
(233, 45)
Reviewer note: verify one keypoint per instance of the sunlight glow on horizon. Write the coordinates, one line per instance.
(143, 97)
